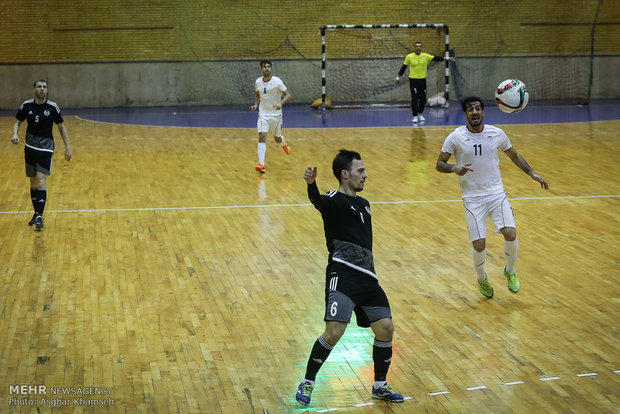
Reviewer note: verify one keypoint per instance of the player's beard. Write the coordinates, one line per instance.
(475, 122)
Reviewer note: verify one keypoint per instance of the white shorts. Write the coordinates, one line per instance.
(477, 209)
(270, 124)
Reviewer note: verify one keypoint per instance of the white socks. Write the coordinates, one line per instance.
(479, 260)
(262, 149)
(283, 143)
(378, 384)
(511, 249)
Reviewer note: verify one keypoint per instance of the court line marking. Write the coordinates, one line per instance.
(438, 393)
(509, 198)
(480, 387)
(102, 210)
(322, 126)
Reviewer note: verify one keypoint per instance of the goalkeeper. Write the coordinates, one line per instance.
(418, 64)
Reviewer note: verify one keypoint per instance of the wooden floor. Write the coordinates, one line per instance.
(173, 279)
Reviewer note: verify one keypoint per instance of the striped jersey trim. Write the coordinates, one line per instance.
(333, 283)
(39, 149)
(351, 265)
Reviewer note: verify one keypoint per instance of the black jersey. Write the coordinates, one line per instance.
(348, 228)
(41, 119)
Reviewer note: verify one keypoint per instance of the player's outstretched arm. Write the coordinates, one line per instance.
(256, 101)
(15, 138)
(400, 73)
(313, 191)
(520, 162)
(65, 138)
(286, 97)
(443, 166)
(310, 174)
(538, 178)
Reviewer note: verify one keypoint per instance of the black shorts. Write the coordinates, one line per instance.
(348, 290)
(37, 161)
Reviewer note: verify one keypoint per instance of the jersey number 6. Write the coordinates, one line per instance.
(333, 309)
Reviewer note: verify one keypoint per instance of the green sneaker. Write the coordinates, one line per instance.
(486, 289)
(513, 282)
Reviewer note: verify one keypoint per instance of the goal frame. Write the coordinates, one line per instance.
(325, 28)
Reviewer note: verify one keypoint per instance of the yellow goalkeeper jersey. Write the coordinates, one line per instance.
(418, 64)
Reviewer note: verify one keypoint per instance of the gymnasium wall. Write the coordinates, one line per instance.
(123, 53)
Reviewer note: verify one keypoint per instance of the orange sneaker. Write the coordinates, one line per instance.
(286, 149)
(260, 168)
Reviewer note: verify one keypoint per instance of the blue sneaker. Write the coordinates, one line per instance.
(38, 223)
(387, 393)
(304, 391)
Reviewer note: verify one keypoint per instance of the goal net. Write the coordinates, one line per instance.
(360, 63)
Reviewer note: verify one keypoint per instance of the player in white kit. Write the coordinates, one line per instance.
(271, 94)
(475, 148)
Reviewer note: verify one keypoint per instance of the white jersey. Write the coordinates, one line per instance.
(480, 149)
(270, 95)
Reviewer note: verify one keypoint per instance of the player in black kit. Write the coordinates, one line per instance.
(351, 284)
(41, 114)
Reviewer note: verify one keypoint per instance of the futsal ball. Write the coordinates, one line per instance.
(512, 96)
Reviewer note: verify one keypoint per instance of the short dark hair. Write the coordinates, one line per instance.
(471, 99)
(34, 84)
(343, 161)
(262, 62)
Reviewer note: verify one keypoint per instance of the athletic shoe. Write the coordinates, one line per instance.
(421, 118)
(513, 282)
(387, 393)
(415, 119)
(38, 223)
(304, 391)
(485, 288)
(31, 222)
(260, 168)
(286, 149)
